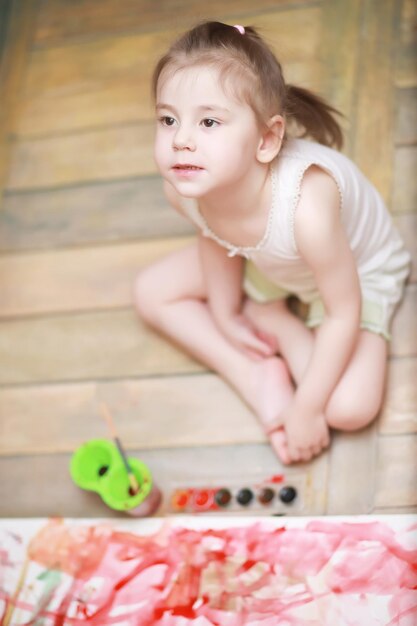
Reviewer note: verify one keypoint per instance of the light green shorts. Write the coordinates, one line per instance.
(262, 290)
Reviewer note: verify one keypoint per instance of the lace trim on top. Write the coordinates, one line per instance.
(244, 251)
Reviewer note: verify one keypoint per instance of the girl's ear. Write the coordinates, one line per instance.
(271, 139)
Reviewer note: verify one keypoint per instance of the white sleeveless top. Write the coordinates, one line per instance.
(381, 258)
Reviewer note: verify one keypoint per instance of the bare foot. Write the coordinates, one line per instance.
(278, 441)
(268, 392)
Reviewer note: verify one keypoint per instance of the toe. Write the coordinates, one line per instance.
(278, 441)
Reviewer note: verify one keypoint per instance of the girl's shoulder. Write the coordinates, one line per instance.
(298, 155)
(307, 169)
(305, 150)
(301, 152)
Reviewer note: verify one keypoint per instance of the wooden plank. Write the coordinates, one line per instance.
(351, 492)
(406, 116)
(13, 65)
(120, 100)
(57, 23)
(89, 66)
(404, 197)
(397, 471)
(89, 214)
(340, 21)
(116, 153)
(373, 149)
(399, 413)
(161, 412)
(404, 328)
(5, 12)
(397, 510)
(45, 487)
(83, 347)
(41, 486)
(406, 53)
(407, 226)
(78, 279)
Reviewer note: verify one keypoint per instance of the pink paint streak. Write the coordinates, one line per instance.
(324, 574)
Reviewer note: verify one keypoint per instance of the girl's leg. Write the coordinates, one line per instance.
(358, 396)
(170, 295)
(295, 340)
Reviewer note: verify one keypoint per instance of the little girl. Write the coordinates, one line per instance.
(277, 216)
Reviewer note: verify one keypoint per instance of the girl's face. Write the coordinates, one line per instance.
(206, 141)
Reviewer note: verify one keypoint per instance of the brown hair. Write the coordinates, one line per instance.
(257, 77)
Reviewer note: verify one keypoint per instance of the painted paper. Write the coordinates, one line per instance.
(209, 572)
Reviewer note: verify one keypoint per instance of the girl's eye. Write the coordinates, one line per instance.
(167, 121)
(209, 123)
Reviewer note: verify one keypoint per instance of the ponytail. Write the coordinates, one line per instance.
(314, 115)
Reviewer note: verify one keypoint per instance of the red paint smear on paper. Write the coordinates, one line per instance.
(74, 550)
(228, 577)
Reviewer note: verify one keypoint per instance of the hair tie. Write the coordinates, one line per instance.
(240, 28)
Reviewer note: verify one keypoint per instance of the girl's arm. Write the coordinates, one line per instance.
(323, 244)
(223, 278)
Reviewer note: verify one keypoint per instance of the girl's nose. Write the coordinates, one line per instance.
(183, 140)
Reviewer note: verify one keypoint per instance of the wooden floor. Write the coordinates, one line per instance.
(82, 210)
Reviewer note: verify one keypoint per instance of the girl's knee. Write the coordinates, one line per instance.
(348, 413)
(145, 294)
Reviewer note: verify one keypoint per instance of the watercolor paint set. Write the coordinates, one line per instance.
(275, 495)
(126, 484)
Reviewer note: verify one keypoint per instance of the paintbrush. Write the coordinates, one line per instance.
(108, 418)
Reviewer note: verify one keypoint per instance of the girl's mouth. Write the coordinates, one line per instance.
(186, 170)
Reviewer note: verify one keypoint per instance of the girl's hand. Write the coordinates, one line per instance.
(307, 433)
(241, 332)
